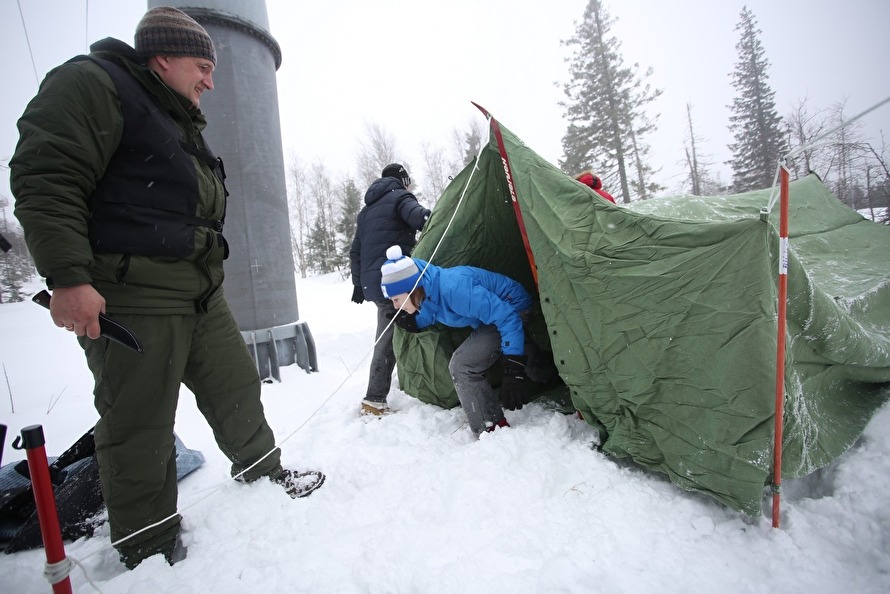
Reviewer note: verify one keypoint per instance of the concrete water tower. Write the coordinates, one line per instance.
(244, 129)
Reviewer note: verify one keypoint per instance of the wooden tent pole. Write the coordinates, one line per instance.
(780, 344)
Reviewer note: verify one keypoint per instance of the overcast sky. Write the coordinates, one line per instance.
(413, 67)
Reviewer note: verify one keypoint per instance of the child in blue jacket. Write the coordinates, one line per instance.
(464, 296)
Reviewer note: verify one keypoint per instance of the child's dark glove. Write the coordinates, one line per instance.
(513, 384)
(407, 322)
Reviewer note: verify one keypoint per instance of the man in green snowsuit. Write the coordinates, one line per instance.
(122, 204)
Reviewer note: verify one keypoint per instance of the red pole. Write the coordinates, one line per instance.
(33, 440)
(780, 345)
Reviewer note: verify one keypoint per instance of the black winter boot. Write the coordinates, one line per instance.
(297, 483)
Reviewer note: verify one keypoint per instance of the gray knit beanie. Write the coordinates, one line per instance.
(167, 31)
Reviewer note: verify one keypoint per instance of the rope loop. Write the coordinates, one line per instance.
(56, 572)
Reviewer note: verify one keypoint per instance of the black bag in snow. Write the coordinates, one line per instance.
(75, 480)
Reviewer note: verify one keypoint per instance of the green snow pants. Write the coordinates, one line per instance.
(136, 396)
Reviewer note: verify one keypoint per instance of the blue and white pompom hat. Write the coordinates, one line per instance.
(399, 273)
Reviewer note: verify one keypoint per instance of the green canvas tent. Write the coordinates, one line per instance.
(662, 317)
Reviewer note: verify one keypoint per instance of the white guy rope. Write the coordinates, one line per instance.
(213, 489)
(812, 144)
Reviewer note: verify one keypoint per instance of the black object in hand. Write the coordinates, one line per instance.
(407, 322)
(513, 384)
(358, 296)
(108, 328)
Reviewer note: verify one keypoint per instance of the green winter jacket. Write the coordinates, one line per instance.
(68, 134)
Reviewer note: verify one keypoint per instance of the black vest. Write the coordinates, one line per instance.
(145, 203)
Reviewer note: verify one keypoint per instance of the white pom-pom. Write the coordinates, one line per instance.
(393, 252)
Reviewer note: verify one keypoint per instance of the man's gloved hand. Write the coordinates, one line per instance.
(513, 384)
(358, 296)
(407, 322)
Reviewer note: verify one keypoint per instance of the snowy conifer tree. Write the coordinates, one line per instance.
(606, 110)
(350, 204)
(755, 122)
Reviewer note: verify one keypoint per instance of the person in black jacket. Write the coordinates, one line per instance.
(391, 216)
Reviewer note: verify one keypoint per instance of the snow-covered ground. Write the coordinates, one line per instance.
(874, 214)
(413, 503)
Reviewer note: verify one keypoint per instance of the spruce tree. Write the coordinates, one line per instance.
(350, 205)
(472, 142)
(755, 123)
(605, 109)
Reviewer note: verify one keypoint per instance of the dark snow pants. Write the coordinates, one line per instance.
(468, 365)
(136, 397)
(383, 361)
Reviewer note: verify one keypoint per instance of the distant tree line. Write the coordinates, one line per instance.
(607, 125)
(323, 211)
(16, 265)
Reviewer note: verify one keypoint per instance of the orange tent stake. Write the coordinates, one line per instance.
(780, 345)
